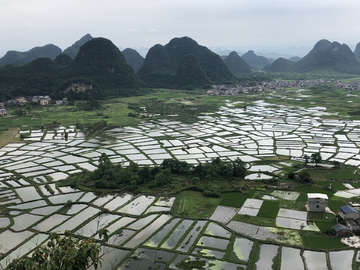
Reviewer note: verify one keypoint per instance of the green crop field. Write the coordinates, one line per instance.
(322, 242)
(194, 204)
(269, 209)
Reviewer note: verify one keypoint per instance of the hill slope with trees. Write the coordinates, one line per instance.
(73, 50)
(162, 62)
(133, 58)
(255, 61)
(98, 70)
(236, 64)
(21, 58)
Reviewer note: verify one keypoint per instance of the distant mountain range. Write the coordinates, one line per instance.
(50, 51)
(326, 55)
(98, 70)
(20, 58)
(96, 67)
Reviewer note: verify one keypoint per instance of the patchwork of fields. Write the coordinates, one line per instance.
(144, 233)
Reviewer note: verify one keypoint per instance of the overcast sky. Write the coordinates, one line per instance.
(135, 23)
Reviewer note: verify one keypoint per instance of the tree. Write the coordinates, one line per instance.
(306, 157)
(304, 177)
(336, 164)
(316, 157)
(239, 167)
(64, 252)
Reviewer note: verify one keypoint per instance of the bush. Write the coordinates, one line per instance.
(211, 193)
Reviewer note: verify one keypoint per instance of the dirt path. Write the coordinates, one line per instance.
(9, 136)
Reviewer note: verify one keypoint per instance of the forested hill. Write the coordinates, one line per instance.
(73, 50)
(21, 58)
(255, 61)
(133, 58)
(236, 64)
(161, 66)
(325, 56)
(98, 70)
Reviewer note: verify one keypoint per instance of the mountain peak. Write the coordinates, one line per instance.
(73, 50)
(236, 64)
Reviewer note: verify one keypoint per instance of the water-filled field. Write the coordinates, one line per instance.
(143, 231)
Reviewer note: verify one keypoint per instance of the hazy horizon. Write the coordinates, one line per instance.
(139, 23)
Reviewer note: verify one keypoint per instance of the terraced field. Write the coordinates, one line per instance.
(144, 231)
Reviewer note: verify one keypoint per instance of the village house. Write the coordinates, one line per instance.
(44, 101)
(341, 230)
(59, 102)
(317, 202)
(19, 101)
(3, 112)
(349, 212)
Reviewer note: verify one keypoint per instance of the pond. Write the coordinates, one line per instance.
(28, 194)
(96, 224)
(138, 205)
(63, 198)
(50, 222)
(209, 253)
(9, 239)
(242, 248)
(145, 233)
(120, 237)
(266, 256)
(315, 260)
(341, 260)
(212, 242)
(159, 236)
(76, 220)
(216, 230)
(190, 238)
(175, 236)
(118, 201)
(142, 222)
(291, 259)
(122, 222)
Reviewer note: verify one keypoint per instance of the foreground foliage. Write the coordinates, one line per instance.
(64, 252)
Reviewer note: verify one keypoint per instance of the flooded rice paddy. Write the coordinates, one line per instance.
(143, 232)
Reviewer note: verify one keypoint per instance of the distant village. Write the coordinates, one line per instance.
(20, 101)
(232, 90)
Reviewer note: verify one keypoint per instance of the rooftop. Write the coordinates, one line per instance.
(317, 195)
(347, 209)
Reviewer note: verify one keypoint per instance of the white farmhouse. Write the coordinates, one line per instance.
(317, 202)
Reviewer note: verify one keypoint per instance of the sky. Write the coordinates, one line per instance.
(213, 23)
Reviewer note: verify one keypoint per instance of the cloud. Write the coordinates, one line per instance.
(153, 30)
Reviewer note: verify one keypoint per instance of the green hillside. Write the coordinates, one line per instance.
(21, 58)
(255, 61)
(98, 70)
(162, 62)
(133, 58)
(328, 56)
(236, 64)
(281, 65)
(73, 50)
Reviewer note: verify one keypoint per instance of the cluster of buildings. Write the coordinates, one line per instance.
(20, 101)
(2, 109)
(318, 202)
(231, 90)
(353, 86)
